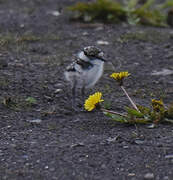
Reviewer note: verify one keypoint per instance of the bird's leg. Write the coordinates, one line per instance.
(76, 107)
(83, 94)
(74, 94)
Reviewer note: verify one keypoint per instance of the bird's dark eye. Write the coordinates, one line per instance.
(85, 52)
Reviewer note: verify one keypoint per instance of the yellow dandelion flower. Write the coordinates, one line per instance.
(120, 76)
(92, 101)
(157, 104)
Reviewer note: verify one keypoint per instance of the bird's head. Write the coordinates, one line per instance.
(91, 52)
(94, 52)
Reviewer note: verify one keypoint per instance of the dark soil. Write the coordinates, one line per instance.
(46, 139)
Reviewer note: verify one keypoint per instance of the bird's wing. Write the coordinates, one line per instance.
(84, 64)
(71, 67)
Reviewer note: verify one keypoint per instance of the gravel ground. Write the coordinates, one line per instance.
(41, 137)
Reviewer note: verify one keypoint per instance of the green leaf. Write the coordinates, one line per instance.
(134, 112)
(31, 100)
(147, 5)
(167, 4)
(144, 110)
(133, 20)
(132, 4)
(116, 117)
(142, 121)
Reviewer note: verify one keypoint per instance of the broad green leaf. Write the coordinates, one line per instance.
(132, 4)
(147, 5)
(31, 100)
(134, 112)
(116, 117)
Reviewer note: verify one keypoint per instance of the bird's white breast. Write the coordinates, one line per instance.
(94, 74)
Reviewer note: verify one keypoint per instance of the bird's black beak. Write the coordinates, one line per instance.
(103, 59)
(101, 56)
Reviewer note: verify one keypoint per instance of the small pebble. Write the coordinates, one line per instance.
(58, 85)
(54, 13)
(170, 156)
(166, 178)
(37, 121)
(100, 42)
(99, 28)
(139, 141)
(163, 72)
(22, 25)
(131, 174)
(77, 145)
(57, 91)
(103, 166)
(85, 33)
(52, 169)
(112, 139)
(149, 176)
(151, 126)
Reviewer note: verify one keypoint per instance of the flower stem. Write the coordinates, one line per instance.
(131, 101)
(113, 112)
